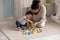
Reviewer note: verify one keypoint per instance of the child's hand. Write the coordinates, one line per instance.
(27, 20)
(31, 22)
(33, 25)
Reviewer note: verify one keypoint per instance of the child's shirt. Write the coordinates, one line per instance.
(21, 20)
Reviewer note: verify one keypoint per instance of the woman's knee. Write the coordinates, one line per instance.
(42, 25)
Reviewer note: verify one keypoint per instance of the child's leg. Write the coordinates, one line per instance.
(23, 26)
(18, 25)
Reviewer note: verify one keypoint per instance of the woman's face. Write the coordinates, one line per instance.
(35, 11)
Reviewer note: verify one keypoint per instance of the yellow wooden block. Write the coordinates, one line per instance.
(34, 32)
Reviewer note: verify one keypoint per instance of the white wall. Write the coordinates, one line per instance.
(17, 9)
(1, 9)
(20, 7)
(6, 9)
(43, 1)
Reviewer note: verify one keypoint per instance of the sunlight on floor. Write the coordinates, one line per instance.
(51, 37)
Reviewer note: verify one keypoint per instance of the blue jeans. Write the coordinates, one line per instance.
(18, 24)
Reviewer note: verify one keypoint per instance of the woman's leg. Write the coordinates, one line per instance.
(41, 26)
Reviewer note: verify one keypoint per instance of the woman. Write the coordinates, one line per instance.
(39, 14)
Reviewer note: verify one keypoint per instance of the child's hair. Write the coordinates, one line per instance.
(28, 12)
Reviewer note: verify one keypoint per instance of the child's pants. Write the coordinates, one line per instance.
(18, 24)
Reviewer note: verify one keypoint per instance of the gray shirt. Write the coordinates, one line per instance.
(41, 15)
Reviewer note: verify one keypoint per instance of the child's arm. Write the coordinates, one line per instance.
(28, 20)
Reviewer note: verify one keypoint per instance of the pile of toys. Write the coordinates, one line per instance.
(29, 30)
(32, 31)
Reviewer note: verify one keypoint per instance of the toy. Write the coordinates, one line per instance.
(34, 31)
(29, 33)
(30, 30)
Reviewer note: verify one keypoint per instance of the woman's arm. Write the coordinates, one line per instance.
(43, 15)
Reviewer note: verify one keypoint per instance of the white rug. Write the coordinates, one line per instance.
(8, 29)
(51, 37)
(2, 37)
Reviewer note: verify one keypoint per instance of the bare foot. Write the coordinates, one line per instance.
(17, 29)
(40, 29)
(26, 32)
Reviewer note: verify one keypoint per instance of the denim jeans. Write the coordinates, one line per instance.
(18, 24)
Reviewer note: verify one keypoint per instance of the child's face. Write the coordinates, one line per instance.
(29, 16)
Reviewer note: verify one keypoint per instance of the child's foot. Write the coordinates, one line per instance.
(24, 33)
(40, 29)
(17, 29)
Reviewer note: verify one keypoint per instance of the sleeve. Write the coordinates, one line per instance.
(44, 13)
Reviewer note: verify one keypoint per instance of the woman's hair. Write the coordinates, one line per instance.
(35, 4)
(28, 12)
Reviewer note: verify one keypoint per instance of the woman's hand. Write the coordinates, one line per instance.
(40, 21)
(35, 24)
